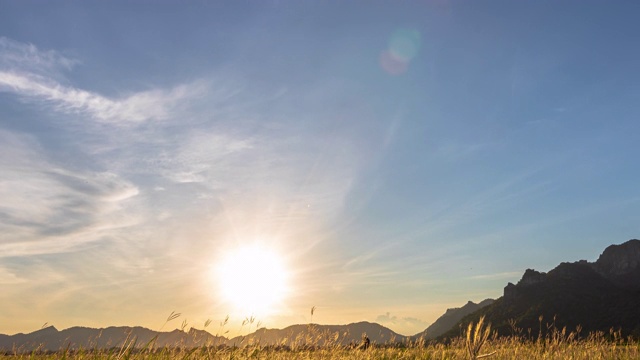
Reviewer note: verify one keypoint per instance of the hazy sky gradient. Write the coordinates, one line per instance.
(403, 157)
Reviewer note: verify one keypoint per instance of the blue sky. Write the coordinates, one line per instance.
(401, 157)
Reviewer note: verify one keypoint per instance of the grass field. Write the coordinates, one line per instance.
(503, 349)
(477, 342)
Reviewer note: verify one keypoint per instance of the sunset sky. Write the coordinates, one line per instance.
(391, 158)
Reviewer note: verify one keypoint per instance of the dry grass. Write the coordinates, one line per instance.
(508, 348)
(478, 338)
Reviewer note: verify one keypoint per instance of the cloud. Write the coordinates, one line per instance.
(17, 55)
(30, 73)
(386, 319)
(138, 107)
(9, 278)
(49, 209)
(201, 156)
(497, 276)
(406, 324)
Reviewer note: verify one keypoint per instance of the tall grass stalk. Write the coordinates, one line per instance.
(476, 337)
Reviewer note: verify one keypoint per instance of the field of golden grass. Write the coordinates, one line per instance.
(476, 342)
(502, 349)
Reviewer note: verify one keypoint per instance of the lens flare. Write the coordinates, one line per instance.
(392, 64)
(404, 45)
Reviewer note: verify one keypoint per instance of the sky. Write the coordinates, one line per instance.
(395, 158)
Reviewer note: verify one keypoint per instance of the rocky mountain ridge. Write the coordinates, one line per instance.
(449, 319)
(620, 264)
(596, 296)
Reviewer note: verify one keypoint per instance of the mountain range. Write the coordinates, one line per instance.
(51, 339)
(589, 296)
(449, 319)
(320, 335)
(582, 295)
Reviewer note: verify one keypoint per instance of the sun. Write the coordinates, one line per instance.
(253, 279)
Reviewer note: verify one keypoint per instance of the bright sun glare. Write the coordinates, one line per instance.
(253, 279)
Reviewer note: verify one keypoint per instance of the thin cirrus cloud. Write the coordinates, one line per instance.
(497, 276)
(49, 209)
(201, 156)
(9, 278)
(153, 104)
(32, 74)
(17, 55)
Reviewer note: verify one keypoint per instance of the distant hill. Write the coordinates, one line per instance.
(50, 339)
(450, 318)
(314, 334)
(597, 296)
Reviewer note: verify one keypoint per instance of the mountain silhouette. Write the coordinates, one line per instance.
(320, 335)
(596, 296)
(50, 339)
(449, 319)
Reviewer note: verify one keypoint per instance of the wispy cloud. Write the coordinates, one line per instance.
(48, 209)
(405, 325)
(497, 276)
(141, 106)
(31, 73)
(16, 55)
(8, 277)
(199, 157)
